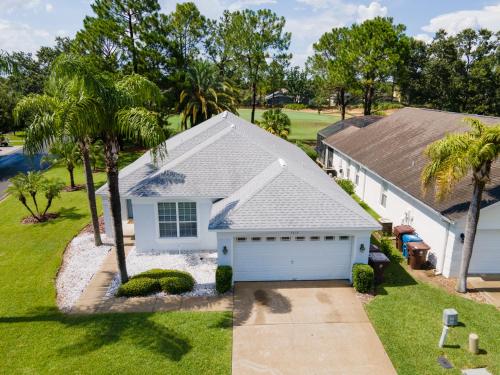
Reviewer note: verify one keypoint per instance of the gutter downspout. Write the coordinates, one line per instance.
(441, 263)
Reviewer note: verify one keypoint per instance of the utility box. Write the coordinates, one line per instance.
(450, 317)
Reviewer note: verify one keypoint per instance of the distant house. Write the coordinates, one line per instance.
(385, 157)
(260, 201)
(278, 98)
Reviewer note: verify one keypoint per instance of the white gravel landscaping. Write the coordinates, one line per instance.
(82, 259)
(201, 265)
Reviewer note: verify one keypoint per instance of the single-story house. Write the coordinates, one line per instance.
(385, 160)
(278, 98)
(260, 201)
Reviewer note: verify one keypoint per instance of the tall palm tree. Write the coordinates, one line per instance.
(67, 153)
(62, 112)
(459, 156)
(205, 94)
(117, 108)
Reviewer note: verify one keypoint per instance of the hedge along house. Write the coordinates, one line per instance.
(260, 201)
(385, 161)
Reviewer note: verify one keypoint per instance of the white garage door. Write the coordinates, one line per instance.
(292, 258)
(486, 254)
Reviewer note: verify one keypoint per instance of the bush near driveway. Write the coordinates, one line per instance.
(223, 278)
(346, 184)
(362, 277)
(155, 280)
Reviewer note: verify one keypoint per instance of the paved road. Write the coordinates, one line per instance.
(304, 327)
(13, 163)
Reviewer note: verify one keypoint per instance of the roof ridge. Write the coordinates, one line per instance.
(193, 151)
(249, 190)
(343, 202)
(448, 112)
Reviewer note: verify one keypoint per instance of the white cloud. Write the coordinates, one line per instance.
(241, 4)
(10, 6)
(454, 22)
(21, 37)
(423, 37)
(374, 9)
(49, 7)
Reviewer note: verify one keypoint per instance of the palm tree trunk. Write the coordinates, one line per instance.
(49, 203)
(111, 155)
(71, 178)
(254, 101)
(470, 235)
(89, 180)
(25, 204)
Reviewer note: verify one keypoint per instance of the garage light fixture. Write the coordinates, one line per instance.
(224, 250)
(362, 248)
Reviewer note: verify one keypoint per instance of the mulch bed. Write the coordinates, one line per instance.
(32, 220)
(90, 229)
(76, 188)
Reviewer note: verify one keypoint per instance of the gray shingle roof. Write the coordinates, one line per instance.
(393, 147)
(264, 181)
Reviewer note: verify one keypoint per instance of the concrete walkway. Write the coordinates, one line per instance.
(93, 298)
(314, 327)
(489, 286)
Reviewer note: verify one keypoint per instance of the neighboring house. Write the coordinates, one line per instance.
(385, 161)
(260, 201)
(278, 98)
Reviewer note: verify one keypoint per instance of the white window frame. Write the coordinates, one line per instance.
(177, 221)
(348, 168)
(356, 176)
(384, 187)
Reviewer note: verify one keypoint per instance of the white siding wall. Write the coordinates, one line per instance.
(147, 231)
(108, 221)
(438, 233)
(428, 223)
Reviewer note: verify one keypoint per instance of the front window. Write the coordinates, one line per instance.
(177, 219)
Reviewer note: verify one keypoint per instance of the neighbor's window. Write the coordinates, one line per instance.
(356, 178)
(329, 238)
(314, 238)
(349, 170)
(177, 219)
(343, 238)
(383, 194)
(300, 238)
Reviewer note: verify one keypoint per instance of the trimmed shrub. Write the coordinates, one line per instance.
(176, 285)
(387, 247)
(138, 287)
(295, 106)
(346, 184)
(387, 105)
(362, 277)
(156, 280)
(223, 278)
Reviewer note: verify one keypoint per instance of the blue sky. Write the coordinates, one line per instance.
(28, 24)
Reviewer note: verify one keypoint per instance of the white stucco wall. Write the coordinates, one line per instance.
(147, 236)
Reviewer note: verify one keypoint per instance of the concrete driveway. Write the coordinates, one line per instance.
(312, 327)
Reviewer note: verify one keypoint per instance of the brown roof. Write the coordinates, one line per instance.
(394, 149)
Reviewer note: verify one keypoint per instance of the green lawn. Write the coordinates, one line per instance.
(37, 339)
(17, 139)
(407, 316)
(305, 125)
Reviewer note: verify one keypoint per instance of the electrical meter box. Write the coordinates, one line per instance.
(450, 317)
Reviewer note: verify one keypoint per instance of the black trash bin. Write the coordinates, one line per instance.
(379, 263)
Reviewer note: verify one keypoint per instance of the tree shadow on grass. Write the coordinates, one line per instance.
(395, 276)
(138, 329)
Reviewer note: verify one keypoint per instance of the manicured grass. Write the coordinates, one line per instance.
(36, 338)
(17, 139)
(367, 208)
(407, 316)
(305, 125)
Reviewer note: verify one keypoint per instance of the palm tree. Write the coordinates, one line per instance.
(30, 184)
(117, 108)
(67, 153)
(454, 158)
(204, 94)
(62, 112)
(276, 122)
